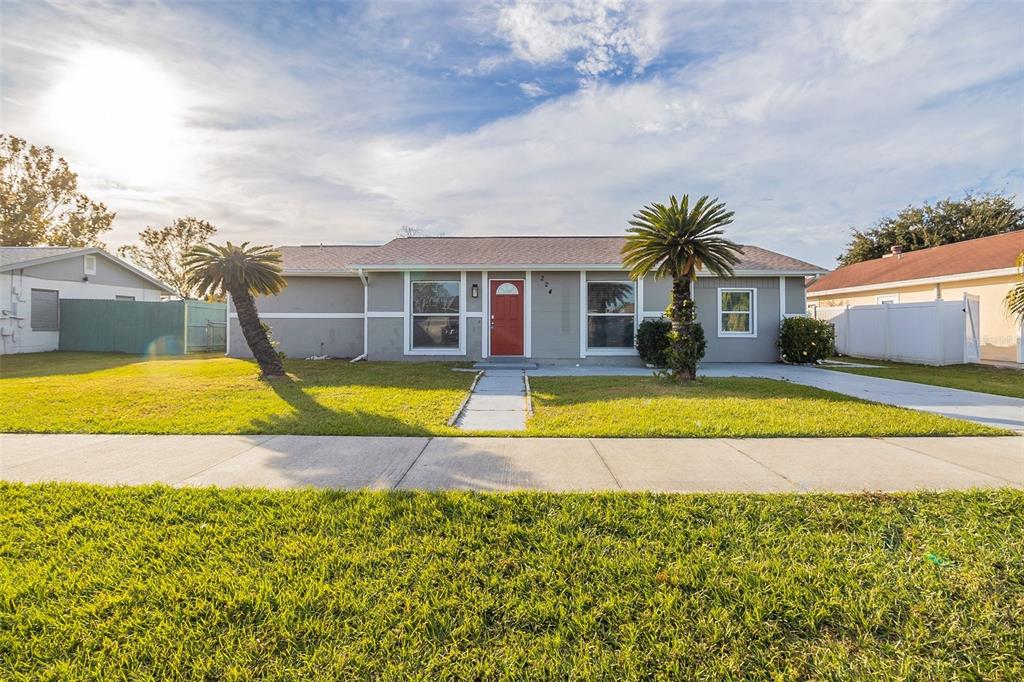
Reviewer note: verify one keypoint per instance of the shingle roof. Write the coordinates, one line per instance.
(975, 255)
(499, 251)
(321, 258)
(9, 255)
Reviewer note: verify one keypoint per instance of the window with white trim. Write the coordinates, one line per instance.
(889, 298)
(435, 315)
(611, 311)
(737, 311)
(90, 265)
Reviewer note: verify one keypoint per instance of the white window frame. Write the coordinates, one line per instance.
(90, 265)
(410, 349)
(586, 315)
(724, 334)
(887, 299)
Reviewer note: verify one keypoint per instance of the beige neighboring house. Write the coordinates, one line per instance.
(983, 267)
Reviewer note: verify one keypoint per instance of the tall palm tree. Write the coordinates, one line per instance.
(242, 271)
(1014, 300)
(676, 241)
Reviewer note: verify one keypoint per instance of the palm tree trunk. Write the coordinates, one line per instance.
(682, 324)
(249, 320)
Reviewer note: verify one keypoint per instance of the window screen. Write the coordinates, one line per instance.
(45, 311)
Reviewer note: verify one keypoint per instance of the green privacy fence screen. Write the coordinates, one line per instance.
(155, 328)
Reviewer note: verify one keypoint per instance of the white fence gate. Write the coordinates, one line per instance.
(932, 332)
(972, 328)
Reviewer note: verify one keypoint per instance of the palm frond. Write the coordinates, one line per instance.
(1014, 300)
(214, 270)
(676, 240)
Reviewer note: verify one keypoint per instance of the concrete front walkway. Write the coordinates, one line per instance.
(984, 408)
(492, 464)
(497, 403)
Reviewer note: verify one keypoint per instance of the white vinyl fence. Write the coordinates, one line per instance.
(931, 333)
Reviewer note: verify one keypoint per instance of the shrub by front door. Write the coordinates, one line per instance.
(507, 313)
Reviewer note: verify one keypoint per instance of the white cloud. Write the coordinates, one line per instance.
(804, 119)
(532, 90)
(597, 34)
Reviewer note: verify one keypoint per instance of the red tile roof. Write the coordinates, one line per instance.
(976, 255)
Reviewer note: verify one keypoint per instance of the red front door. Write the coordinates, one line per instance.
(507, 317)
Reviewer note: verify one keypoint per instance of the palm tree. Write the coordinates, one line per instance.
(242, 271)
(676, 241)
(1014, 300)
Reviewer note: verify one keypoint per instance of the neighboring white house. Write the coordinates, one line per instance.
(33, 279)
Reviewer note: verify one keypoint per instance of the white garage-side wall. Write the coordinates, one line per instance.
(16, 333)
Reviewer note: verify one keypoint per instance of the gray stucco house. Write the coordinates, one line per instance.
(548, 299)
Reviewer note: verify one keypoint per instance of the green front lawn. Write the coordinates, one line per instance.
(105, 393)
(637, 407)
(982, 378)
(108, 393)
(155, 583)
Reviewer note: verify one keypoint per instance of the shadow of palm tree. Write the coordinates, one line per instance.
(310, 417)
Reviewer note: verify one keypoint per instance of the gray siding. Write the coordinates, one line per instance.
(385, 292)
(762, 348)
(73, 270)
(796, 299)
(440, 276)
(657, 293)
(386, 338)
(315, 295)
(556, 315)
(607, 276)
(506, 274)
(304, 337)
(474, 305)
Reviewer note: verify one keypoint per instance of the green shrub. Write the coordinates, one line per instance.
(687, 346)
(803, 340)
(652, 341)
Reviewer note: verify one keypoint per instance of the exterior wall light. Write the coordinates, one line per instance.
(474, 291)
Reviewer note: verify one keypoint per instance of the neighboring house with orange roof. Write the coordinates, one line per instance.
(984, 267)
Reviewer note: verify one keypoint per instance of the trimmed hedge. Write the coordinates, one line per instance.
(806, 340)
(652, 341)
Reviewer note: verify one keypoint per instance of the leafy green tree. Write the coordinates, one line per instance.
(947, 222)
(162, 251)
(40, 202)
(242, 271)
(676, 241)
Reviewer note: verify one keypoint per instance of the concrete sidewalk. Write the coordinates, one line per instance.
(495, 464)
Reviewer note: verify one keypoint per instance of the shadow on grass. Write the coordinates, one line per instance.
(57, 363)
(309, 417)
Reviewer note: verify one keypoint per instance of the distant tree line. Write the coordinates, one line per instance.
(946, 222)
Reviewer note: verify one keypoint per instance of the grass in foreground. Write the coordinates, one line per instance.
(982, 378)
(721, 407)
(155, 583)
(109, 393)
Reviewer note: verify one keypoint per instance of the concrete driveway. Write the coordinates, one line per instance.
(498, 464)
(983, 408)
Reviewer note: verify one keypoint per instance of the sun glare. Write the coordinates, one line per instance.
(121, 114)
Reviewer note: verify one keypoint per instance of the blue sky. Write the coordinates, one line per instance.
(340, 122)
